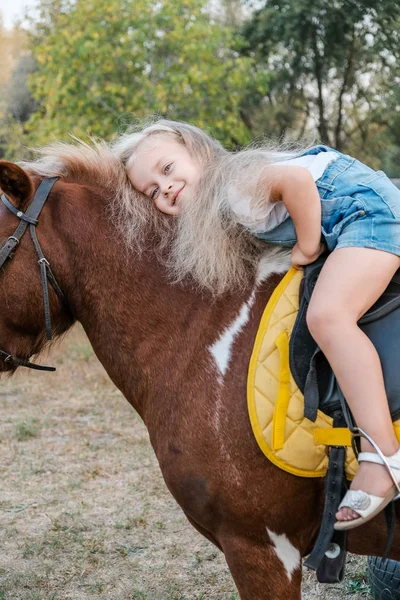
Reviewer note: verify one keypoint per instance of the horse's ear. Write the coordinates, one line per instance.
(15, 183)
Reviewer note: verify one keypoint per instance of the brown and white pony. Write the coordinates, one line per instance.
(180, 358)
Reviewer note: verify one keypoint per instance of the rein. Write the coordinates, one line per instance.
(30, 219)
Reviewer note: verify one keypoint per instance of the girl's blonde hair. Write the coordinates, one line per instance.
(206, 242)
(200, 146)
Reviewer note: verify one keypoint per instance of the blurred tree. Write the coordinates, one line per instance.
(232, 12)
(20, 103)
(12, 44)
(16, 103)
(134, 58)
(333, 63)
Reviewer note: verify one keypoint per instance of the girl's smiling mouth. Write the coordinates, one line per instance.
(175, 198)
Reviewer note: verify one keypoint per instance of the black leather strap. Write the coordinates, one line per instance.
(22, 362)
(50, 275)
(17, 213)
(30, 218)
(7, 249)
(334, 484)
(311, 390)
(390, 516)
(46, 274)
(331, 568)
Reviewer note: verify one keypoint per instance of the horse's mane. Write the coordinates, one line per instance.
(96, 165)
(229, 263)
(80, 162)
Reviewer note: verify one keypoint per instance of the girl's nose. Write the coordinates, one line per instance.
(167, 188)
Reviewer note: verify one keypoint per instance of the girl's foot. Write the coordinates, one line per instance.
(373, 488)
(371, 478)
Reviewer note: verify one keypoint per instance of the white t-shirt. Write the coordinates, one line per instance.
(271, 214)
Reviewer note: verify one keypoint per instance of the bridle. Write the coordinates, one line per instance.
(29, 218)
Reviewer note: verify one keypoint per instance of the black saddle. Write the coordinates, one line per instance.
(311, 370)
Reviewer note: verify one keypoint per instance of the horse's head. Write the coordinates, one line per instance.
(24, 273)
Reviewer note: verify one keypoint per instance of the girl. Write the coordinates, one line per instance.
(228, 201)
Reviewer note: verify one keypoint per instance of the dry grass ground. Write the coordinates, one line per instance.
(84, 511)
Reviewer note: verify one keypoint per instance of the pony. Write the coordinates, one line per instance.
(178, 354)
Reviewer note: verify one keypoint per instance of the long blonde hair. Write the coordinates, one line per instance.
(139, 220)
(206, 242)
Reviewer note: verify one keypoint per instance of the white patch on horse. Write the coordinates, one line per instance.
(222, 348)
(286, 552)
(275, 260)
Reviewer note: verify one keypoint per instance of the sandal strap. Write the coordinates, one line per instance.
(393, 461)
(361, 502)
(370, 457)
(390, 462)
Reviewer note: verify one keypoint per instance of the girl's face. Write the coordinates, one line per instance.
(165, 172)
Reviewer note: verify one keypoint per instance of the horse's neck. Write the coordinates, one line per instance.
(145, 331)
(148, 333)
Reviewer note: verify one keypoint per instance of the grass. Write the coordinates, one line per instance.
(85, 513)
(358, 584)
(138, 595)
(25, 430)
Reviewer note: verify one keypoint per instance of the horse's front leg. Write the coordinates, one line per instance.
(264, 571)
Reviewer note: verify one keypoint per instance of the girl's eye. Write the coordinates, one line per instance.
(167, 168)
(154, 193)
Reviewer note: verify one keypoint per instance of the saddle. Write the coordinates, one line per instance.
(294, 401)
(296, 409)
(315, 378)
(309, 367)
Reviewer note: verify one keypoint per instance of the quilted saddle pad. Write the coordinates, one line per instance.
(275, 403)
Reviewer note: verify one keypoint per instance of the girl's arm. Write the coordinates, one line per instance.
(295, 186)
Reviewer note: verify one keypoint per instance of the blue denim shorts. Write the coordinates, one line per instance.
(360, 207)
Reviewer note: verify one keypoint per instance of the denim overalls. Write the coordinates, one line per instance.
(360, 207)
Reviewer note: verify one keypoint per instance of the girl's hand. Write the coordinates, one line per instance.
(299, 259)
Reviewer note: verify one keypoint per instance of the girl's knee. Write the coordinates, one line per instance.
(324, 319)
(314, 320)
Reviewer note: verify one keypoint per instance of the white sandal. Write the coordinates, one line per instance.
(368, 505)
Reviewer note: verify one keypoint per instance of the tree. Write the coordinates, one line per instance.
(15, 101)
(328, 58)
(134, 58)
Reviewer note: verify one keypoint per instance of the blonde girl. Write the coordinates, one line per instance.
(312, 200)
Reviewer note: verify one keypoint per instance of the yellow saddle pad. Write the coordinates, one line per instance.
(275, 403)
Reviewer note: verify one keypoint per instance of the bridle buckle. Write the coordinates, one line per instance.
(12, 237)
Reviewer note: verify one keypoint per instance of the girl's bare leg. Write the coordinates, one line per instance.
(351, 280)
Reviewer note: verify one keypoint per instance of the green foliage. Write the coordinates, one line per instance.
(325, 69)
(333, 63)
(15, 101)
(132, 59)
(12, 136)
